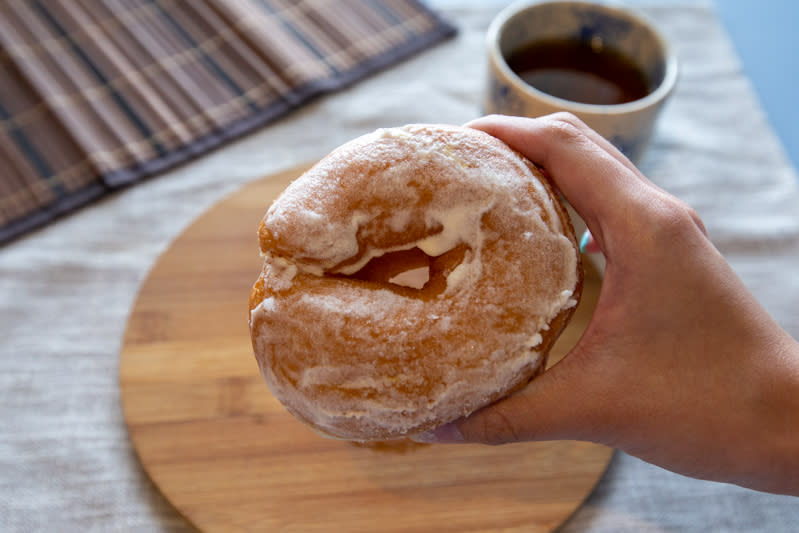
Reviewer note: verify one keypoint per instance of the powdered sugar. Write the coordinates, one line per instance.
(358, 360)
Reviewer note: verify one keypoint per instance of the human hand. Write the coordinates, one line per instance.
(679, 365)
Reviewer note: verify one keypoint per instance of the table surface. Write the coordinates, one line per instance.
(66, 462)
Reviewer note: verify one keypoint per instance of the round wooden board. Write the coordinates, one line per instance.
(227, 455)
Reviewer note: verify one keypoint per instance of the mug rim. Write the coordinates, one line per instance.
(656, 96)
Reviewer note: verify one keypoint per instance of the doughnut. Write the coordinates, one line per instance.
(412, 276)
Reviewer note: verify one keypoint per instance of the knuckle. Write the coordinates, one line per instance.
(568, 118)
(697, 220)
(675, 219)
(566, 128)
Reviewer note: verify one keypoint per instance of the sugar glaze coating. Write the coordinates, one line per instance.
(360, 358)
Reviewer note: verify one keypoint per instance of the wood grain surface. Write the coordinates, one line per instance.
(226, 454)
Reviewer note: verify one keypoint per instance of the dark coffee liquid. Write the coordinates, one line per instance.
(577, 71)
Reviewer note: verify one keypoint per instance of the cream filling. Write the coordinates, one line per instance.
(416, 278)
(460, 224)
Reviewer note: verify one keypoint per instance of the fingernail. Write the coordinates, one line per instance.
(446, 434)
(584, 240)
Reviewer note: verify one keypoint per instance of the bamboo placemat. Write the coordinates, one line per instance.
(97, 94)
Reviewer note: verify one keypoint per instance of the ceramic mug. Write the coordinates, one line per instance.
(627, 125)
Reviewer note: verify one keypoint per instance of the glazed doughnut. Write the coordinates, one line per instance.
(412, 276)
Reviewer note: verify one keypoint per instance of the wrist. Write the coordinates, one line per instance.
(774, 429)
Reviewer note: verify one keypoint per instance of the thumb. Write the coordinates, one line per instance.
(553, 406)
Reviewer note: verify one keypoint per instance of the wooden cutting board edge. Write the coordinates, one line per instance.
(253, 198)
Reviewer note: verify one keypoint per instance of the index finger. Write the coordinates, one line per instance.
(593, 176)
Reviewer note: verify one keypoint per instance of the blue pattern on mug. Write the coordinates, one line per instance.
(505, 99)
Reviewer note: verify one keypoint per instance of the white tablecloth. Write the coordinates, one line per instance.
(65, 460)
